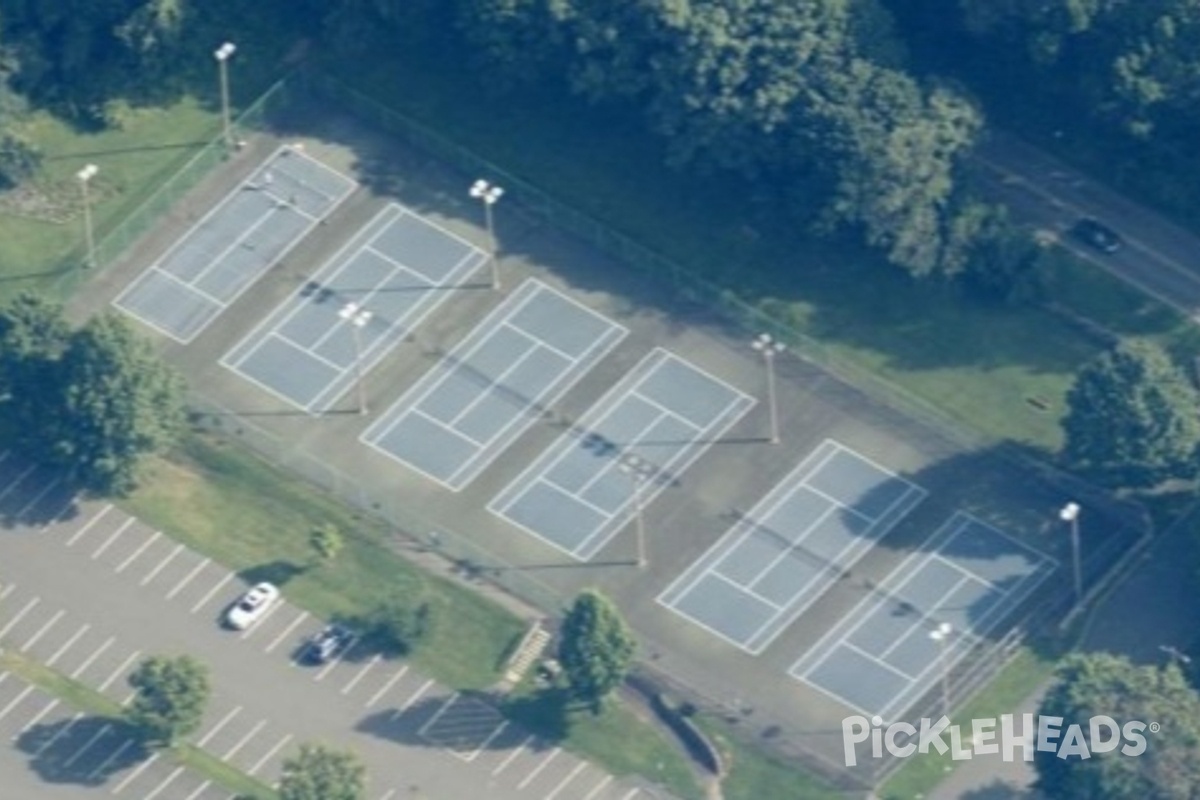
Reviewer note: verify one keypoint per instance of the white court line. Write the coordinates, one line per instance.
(112, 538)
(20, 614)
(187, 579)
(366, 668)
(538, 769)
(391, 682)
(141, 549)
(125, 745)
(46, 745)
(38, 497)
(17, 481)
(88, 525)
(213, 730)
(53, 704)
(16, 700)
(69, 643)
(570, 777)
(413, 699)
(605, 781)
(286, 631)
(511, 757)
(926, 614)
(95, 738)
(191, 286)
(253, 732)
(448, 427)
(287, 737)
(42, 631)
(872, 657)
(228, 577)
(117, 672)
(95, 654)
(160, 566)
(166, 782)
(131, 777)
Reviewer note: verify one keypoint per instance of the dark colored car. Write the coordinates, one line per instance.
(326, 644)
(1097, 234)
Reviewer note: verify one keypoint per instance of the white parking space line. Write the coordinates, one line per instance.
(69, 643)
(388, 794)
(117, 672)
(538, 769)
(128, 698)
(474, 754)
(7, 590)
(103, 765)
(199, 790)
(133, 557)
(336, 660)
(16, 700)
(391, 682)
(99, 551)
(38, 497)
(632, 794)
(213, 731)
(412, 699)
(246, 634)
(58, 515)
(212, 592)
(278, 746)
(286, 631)
(187, 579)
(580, 767)
(511, 757)
(253, 732)
(42, 632)
(20, 614)
(131, 777)
(605, 781)
(95, 738)
(151, 575)
(46, 709)
(437, 715)
(167, 782)
(366, 668)
(46, 745)
(95, 654)
(18, 480)
(87, 526)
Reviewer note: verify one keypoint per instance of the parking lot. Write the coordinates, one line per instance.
(91, 591)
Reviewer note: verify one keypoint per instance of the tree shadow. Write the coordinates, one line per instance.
(86, 752)
(999, 790)
(277, 572)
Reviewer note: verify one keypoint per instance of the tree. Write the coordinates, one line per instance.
(320, 773)
(1132, 417)
(1103, 684)
(595, 648)
(400, 623)
(326, 540)
(171, 694)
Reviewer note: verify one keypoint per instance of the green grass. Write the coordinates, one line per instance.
(244, 513)
(616, 738)
(221, 773)
(1015, 682)
(754, 775)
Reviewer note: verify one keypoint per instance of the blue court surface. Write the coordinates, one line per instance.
(661, 417)
(494, 384)
(398, 268)
(881, 658)
(234, 244)
(791, 547)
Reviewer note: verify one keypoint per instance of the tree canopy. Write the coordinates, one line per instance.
(171, 695)
(595, 648)
(321, 773)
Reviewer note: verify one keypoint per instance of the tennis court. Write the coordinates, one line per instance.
(475, 402)
(881, 657)
(789, 549)
(397, 269)
(656, 421)
(234, 244)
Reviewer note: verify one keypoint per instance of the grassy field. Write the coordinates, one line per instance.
(753, 775)
(243, 513)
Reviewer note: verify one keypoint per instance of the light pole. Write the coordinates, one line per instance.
(358, 317)
(1177, 656)
(222, 55)
(770, 348)
(637, 470)
(941, 635)
(488, 194)
(85, 176)
(1070, 515)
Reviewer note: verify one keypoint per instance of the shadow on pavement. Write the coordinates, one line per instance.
(87, 752)
(999, 790)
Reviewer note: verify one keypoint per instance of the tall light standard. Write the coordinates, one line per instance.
(358, 317)
(488, 194)
(222, 54)
(638, 471)
(770, 348)
(1070, 515)
(1175, 655)
(85, 176)
(941, 635)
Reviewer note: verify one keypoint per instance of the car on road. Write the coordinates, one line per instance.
(1096, 234)
(252, 606)
(326, 644)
